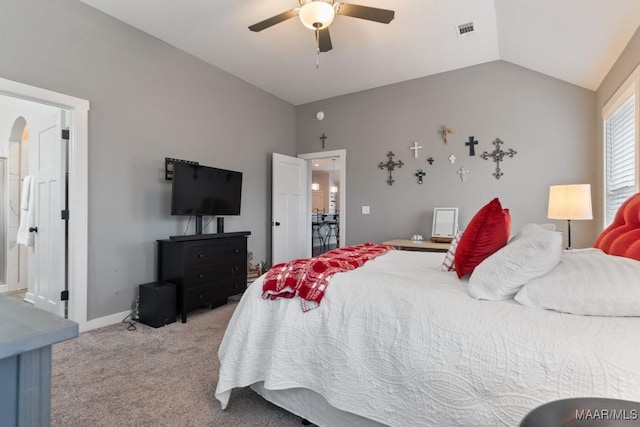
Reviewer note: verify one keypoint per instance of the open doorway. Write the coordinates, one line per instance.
(34, 193)
(326, 213)
(76, 180)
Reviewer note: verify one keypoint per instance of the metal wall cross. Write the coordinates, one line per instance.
(390, 165)
(498, 155)
(472, 146)
(420, 174)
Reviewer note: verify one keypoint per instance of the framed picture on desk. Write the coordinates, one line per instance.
(445, 224)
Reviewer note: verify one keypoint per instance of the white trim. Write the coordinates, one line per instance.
(617, 99)
(101, 322)
(342, 156)
(78, 187)
(620, 98)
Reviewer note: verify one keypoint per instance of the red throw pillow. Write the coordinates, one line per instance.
(622, 237)
(487, 232)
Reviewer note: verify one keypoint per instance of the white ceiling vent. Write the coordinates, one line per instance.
(465, 30)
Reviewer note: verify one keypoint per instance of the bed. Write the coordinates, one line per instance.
(399, 342)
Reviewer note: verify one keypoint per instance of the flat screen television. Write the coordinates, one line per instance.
(203, 190)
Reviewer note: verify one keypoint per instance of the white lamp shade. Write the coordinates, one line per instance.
(316, 14)
(570, 202)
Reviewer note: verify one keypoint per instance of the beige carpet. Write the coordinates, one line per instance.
(153, 377)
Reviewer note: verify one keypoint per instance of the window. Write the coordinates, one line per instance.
(621, 146)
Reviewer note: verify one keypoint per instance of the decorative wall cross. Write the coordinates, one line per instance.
(430, 160)
(471, 144)
(498, 155)
(463, 173)
(444, 132)
(390, 165)
(415, 149)
(420, 174)
(452, 159)
(323, 138)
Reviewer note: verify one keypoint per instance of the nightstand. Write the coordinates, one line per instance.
(418, 245)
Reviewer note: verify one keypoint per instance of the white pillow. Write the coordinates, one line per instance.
(587, 282)
(527, 256)
(532, 229)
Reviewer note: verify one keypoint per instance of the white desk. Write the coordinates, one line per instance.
(418, 245)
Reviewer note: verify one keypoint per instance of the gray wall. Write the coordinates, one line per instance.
(624, 66)
(550, 123)
(148, 101)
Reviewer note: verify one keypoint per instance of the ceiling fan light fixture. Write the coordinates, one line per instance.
(316, 14)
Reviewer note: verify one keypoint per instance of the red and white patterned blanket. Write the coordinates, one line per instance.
(308, 278)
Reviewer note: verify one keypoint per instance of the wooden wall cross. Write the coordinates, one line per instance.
(323, 138)
(498, 155)
(390, 165)
(444, 132)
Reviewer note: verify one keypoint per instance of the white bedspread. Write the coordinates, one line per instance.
(402, 343)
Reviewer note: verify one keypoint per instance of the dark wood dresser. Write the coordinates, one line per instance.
(207, 269)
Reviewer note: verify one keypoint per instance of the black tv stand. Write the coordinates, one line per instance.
(189, 237)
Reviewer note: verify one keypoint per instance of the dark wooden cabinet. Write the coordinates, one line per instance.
(207, 269)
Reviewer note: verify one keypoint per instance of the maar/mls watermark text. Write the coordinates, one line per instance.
(607, 414)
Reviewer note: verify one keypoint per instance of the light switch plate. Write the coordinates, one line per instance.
(366, 210)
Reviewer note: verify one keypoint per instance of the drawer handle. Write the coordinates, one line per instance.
(200, 256)
(201, 275)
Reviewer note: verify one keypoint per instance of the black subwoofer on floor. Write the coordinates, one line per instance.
(157, 304)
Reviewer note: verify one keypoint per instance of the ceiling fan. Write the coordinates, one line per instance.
(317, 15)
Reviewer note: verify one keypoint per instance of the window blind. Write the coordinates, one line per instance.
(621, 157)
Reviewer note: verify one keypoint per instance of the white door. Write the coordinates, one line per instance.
(3, 227)
(47, 262)
(289, 208)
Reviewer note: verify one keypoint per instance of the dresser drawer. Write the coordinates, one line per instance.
(198, 297)
(211, 253)
(229, 287)
(203, 295)
(200, 276)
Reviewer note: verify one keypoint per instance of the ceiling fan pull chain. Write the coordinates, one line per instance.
(317, 48)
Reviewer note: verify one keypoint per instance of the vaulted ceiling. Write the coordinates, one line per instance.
(573, 40)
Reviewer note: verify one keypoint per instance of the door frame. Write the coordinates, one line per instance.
(78, 187)
(341, 155)
(4, 226)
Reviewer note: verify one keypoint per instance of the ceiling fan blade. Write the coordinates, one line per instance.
(274, 20)
(383, 16)
(325, 40)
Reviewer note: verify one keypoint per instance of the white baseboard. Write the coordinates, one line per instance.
(100, 322)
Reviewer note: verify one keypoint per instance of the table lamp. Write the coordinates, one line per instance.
(570, 202)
